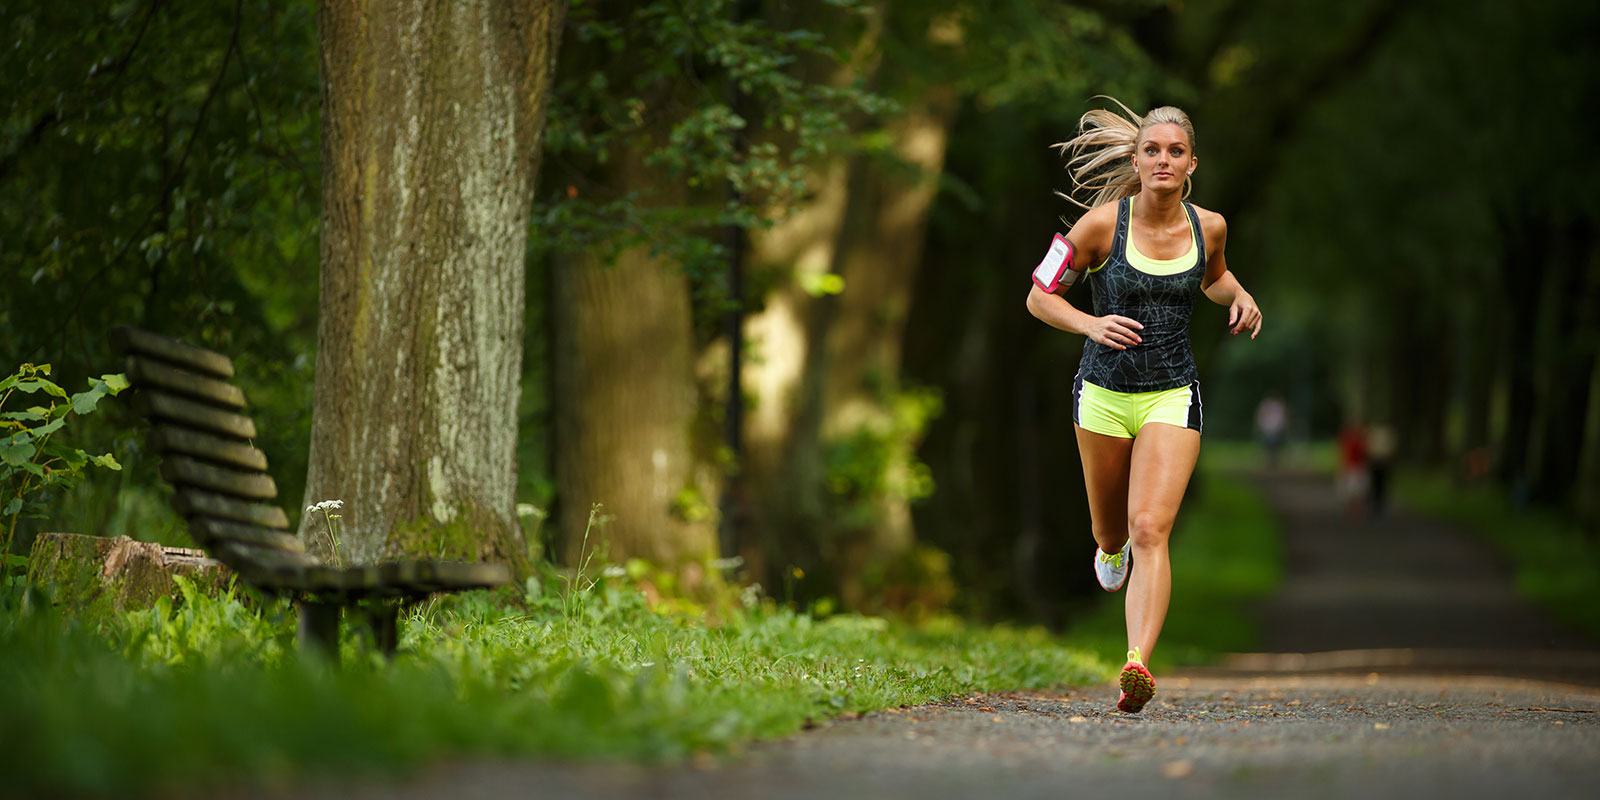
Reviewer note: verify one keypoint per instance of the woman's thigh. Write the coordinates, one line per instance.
(1105, 476)
(1161, 462)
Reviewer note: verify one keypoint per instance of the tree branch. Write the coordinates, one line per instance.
(48, 119)
(167, 185)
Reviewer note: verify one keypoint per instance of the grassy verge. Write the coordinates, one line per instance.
(1227, 552)
(205, 693)
(1556, 565)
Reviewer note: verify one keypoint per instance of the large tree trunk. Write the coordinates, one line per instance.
(1524, 246)
(1569, 362)
(432, 121)
(787, 495)
(879, 256)
(624, 376)
(782, 471)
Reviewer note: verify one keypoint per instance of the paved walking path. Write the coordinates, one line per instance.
(1402, 670)
(1399, 593)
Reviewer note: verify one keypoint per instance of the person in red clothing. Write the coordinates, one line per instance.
(1353, 470)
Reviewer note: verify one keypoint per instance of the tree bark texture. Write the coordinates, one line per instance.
(433, 115)
(624, 376)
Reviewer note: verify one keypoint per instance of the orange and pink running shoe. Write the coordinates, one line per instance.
(1137, 684)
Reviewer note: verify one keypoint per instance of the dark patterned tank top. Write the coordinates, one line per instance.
(1161, 297)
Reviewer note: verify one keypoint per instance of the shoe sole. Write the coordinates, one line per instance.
(1138, 687)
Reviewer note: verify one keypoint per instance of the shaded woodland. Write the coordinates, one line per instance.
(770, 298)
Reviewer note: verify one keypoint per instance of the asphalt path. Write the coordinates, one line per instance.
(1398, 663)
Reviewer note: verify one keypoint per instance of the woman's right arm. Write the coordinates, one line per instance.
(1091, 239)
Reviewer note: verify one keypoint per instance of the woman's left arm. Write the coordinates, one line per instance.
(1222, 287)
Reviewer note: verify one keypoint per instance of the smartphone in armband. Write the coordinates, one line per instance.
(1056, 270)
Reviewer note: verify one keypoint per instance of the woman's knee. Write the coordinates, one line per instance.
(1108, 533)
(1149, 529)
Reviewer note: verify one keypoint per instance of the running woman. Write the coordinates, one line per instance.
(1148, 253)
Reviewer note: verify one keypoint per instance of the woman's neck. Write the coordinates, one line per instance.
(1157, 208)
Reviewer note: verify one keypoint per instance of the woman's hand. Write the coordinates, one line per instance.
(1114, 331)
(1243, 314)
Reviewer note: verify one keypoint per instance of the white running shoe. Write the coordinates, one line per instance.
(1112, 569)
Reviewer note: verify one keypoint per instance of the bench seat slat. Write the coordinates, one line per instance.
(215, 531)
(172, 408)
(175, 439)
(426, 577)
(181, 470)
(145, 371)
(198, 503)
(134, 340)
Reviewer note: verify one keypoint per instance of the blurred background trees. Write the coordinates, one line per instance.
(842, 198)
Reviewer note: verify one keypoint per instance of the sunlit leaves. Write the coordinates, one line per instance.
(719, 105)
(33, 461)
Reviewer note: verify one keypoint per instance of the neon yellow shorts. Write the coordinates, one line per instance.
(1122, 414)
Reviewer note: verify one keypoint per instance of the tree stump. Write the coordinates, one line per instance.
(116, 574)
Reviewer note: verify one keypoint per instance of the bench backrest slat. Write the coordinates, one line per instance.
(185, 471)
(168, 438)
(156, 374)
(133, 340)
(216, 532)
(172, 408)
(194, 502)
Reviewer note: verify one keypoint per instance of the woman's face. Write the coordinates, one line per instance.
(1163, 156)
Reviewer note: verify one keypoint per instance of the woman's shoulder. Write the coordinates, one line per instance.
(1210, 220)
(1211, 223)
(1103, 215)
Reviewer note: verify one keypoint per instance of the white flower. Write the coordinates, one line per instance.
(614, 571)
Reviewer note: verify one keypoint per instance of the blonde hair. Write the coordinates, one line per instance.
(1101, 161)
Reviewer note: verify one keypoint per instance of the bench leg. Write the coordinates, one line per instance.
(319, 627)
(386, 627)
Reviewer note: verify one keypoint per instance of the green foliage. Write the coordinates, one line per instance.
(34, 465)
(1227, 553)
(722, 110)
(1555, 562)
(159, 166)
(206, 692)
(878, 460)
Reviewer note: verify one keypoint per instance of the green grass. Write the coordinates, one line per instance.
(1555, 563)
(1227, 553)
(203, 693)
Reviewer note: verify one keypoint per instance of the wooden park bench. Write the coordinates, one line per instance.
(223, 491)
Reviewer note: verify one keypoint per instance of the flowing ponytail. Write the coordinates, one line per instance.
(1101, 162)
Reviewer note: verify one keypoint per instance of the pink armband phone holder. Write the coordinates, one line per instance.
(1056, 269)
